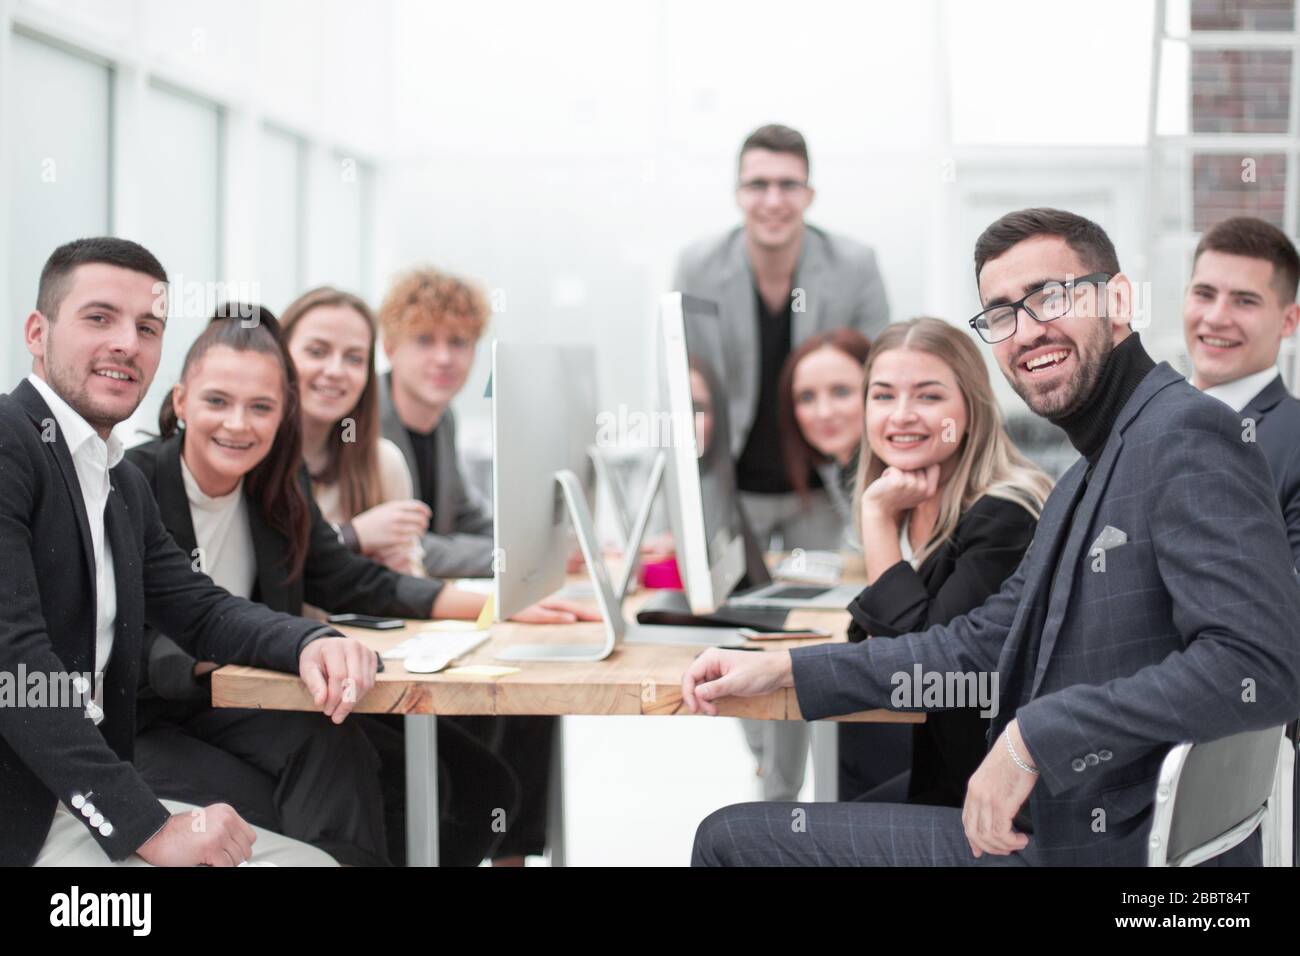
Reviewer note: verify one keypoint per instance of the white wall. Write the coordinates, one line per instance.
(565, 162)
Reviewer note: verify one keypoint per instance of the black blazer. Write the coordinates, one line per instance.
(333, 577)
(47, 626)
(984, 549)
(1276, 414)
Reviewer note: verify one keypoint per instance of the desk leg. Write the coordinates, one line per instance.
(421, 790)
(826, 760)
(555, 799)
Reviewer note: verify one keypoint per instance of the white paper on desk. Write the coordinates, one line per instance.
(438, 643)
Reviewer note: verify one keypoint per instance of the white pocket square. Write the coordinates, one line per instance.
(1110, 537)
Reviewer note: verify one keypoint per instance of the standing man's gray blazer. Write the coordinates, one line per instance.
(841, 287)
(459, 544)
(1172, 614)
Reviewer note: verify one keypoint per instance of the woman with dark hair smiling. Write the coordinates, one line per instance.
(232, 490)
(820, 416)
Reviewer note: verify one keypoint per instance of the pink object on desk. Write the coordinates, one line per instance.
(661, 574)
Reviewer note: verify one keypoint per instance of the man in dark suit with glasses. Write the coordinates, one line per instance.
(1157, 603)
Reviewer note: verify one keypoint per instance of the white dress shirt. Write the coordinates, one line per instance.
(92, 457)
(905, 543)
(222, 531)
(1238, 393)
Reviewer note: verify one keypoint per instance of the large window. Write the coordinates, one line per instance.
(280, 199)
(339, 223)
(58, 168)
(1229, 125)
(127, 133)
(181, 224)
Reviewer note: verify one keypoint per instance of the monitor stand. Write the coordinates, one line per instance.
(610, 600)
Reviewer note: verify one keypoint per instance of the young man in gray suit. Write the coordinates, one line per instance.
(778, 280)
(1157, 603)
(1239, 307)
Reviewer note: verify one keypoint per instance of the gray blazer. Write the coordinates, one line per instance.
(1276, 413)
(460, 542)
(1189, 632)
(842, 286)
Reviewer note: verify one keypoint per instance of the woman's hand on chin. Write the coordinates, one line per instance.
(897, 491)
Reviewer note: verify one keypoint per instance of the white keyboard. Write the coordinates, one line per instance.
(440, 643)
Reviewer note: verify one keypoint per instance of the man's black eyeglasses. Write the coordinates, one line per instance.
(1047, 303)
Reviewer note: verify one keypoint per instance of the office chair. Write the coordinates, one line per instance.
(1212, 796)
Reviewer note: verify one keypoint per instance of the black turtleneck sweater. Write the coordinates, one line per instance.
(1090, 425)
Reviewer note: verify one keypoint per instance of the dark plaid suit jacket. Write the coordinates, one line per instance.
(1187, 631)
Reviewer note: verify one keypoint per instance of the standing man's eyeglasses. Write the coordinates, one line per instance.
(759, 187)
(1047, 303)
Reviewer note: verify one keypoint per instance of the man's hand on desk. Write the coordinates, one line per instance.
(556, 611)
(994, 795)
(717, 673)
(338, 671)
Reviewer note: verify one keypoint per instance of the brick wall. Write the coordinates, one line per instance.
(1240, 91)
(1243, 14)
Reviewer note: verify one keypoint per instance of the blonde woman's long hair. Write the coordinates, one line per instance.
(988, 462)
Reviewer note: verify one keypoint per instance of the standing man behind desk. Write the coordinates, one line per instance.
(1239, 307)
(778, 281)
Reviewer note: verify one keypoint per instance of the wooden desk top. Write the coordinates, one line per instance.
(636, 679)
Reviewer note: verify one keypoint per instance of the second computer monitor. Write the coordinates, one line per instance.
(702, 480)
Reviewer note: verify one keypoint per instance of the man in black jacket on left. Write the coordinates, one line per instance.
(85, 563)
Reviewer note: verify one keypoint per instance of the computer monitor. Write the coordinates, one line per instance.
(715, 548)
(707, 525)
(543, 422)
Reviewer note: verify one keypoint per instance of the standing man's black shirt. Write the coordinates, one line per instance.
(761, 467)
(426, 464)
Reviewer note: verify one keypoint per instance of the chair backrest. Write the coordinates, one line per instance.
(1211, 796)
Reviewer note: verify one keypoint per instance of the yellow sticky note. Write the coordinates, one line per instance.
(486, 615)
(489, 671)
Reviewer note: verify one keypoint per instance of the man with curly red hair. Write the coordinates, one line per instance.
(430, 323)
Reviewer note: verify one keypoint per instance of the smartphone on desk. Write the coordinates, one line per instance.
(753, 634)
(367, 621)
